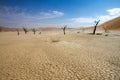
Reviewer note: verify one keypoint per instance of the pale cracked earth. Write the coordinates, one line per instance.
(54, 56)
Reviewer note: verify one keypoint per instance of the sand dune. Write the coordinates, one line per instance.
(53, 56)
(2, 28)
(113, 24)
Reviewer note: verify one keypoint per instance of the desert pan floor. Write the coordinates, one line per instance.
(54, 56)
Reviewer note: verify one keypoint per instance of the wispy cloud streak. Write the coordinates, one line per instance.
(89, 21)
(16, 15)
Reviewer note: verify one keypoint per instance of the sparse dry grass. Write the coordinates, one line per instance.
(72, 57)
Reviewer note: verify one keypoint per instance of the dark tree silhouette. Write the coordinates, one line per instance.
(83, 29)
(64, 28)
(96, 23)
(39, 32)
(34, 30)
(18, 32)
(105, 28)
(25, 30)
(0, 29)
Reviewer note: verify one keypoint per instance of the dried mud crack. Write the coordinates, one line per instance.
(72, 57)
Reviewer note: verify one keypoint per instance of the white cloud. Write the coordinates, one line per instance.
(15, 16)
(58, 13)
(114, 11)
(83, 20)
(18, 16)
(111, 13)
(52, 14)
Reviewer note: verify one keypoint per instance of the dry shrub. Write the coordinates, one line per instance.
(54, 40)
(106, 34)
(90, 33)
(98, 33)
(78, 32)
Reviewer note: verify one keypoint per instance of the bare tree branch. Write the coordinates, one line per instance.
(96, 23)
(64, 28)
(25, 30)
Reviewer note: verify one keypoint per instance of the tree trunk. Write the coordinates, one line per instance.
(95, 27)
(64, 29)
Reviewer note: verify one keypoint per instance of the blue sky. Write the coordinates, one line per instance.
(45, 13)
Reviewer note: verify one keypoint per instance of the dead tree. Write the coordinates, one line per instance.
(64, 28)
(105, 28)
(25, 30)
(0, 29)
(39, 32)
(18, 32)
(83, 29)
(96, 23)
(34, 30)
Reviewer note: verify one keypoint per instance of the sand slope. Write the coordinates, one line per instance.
(53, 56)
(113, 24)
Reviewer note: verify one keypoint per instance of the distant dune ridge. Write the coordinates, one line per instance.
(2, 28)
(113, 24)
